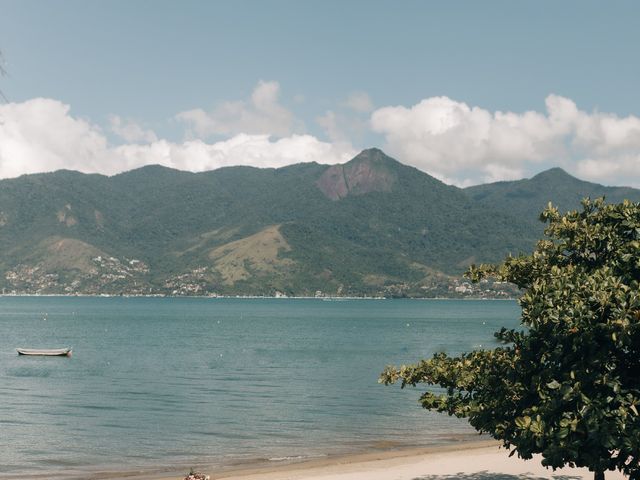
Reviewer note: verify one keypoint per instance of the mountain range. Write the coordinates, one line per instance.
(372, 226)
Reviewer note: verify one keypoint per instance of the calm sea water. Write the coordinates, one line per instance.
(158, 381)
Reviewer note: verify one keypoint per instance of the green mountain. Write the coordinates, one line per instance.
(371, 226)
(526, 198)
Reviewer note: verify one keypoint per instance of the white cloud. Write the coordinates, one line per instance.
(349, 124)
(449, 139)
(329, 123)
(261, 114)
(40, 135)
(342, 129)
(466, 145)
(131, 131)
(618, 170)
(242, 149)
(360, 102)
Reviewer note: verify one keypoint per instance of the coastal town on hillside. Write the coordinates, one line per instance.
(112, 276)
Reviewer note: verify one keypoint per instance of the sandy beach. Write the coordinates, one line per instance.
(471, 461)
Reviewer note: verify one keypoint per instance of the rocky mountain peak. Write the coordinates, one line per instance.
(370, 171)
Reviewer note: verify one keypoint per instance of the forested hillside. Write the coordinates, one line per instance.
(372, 226)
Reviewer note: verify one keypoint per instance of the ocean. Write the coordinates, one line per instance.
(180, 382)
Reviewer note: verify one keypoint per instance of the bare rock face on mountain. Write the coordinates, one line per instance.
(370, 226)
(368, 172)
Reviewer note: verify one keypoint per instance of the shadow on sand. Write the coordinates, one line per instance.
(485, 475)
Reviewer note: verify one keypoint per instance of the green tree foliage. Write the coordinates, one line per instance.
(394, 243)
(567, 387)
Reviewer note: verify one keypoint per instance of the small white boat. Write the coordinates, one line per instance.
(46, 352)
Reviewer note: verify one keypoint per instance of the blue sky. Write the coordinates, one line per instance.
(133, 82)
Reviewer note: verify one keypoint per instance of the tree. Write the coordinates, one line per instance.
(568, 385)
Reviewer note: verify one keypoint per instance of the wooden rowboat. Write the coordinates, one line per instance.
(47, 352)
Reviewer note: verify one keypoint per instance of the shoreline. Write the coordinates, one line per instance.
(260, 462)
(245, 297)
(466, 460)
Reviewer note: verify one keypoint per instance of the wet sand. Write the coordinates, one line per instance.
(467, 461)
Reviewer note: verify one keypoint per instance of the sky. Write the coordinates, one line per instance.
(469, 92)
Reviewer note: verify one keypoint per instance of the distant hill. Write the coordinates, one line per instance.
(371, 226)
(526, 198)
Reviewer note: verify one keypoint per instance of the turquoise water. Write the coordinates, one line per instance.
(185, 381)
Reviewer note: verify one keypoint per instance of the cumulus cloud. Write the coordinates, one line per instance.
(261, 114)
(330, 124)
(241, 149)
(41, 135)
(617, 170)
(131, 131)
(466, 145)
(456, 142)
(342, 129)
(360, 102)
